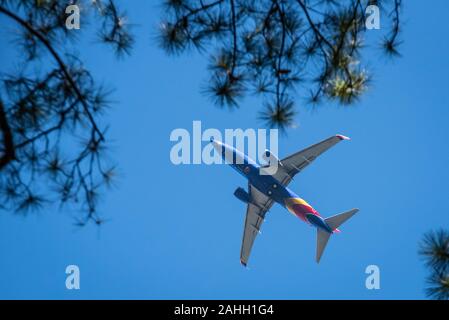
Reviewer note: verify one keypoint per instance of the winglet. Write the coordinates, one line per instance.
(243, 263)
(342, 137)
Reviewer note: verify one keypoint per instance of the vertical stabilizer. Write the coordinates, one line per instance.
(321, 241)
(333, 222)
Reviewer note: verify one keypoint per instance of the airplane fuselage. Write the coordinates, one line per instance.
(269, 186)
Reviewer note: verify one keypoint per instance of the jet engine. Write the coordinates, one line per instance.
(270, 158)
(242, 195)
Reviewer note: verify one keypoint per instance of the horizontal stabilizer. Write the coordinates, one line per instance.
(335, 221)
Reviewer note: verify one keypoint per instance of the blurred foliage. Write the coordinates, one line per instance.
(273, 47)
(53, 139)
(434, 248)
(52, 142)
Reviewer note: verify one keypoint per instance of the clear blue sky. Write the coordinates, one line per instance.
(175, 231)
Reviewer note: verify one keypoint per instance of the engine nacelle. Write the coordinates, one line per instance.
(242, 195)
(270, 158)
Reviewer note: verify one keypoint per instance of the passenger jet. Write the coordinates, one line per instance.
(266, 187)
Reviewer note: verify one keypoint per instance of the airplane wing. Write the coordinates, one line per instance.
(255, 214)
(294, 163)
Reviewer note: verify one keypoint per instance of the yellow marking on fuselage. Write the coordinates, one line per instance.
(290, 201)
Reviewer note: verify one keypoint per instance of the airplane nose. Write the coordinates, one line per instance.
(216, 143)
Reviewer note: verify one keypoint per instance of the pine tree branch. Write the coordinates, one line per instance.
(312, 24)
(59, 61)
(281, 53)
(8, 143)
(234, 37)
(203, 7)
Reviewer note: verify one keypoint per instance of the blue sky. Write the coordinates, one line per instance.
(175, 231)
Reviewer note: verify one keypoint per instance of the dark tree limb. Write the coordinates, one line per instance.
(8, 142)
(234, 37)
(316, 31)
(60, 62)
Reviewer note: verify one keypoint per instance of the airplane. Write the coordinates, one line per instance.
(266, 188)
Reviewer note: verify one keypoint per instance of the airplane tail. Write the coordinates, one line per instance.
(333, 222)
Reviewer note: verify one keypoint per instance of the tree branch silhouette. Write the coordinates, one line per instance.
(53, 141)
(8, 143)
(434, 249)
(60, 62)
(275, 47)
